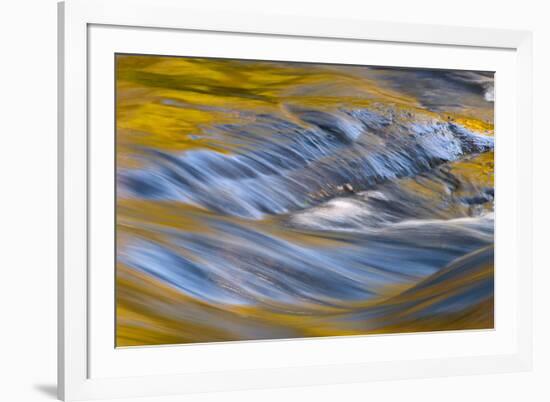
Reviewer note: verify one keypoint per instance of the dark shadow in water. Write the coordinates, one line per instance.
(49, 390)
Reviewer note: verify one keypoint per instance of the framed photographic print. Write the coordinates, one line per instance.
(263, 201)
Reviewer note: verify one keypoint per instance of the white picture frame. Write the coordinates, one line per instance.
(88, 367)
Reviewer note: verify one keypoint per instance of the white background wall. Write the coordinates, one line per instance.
(28, 199)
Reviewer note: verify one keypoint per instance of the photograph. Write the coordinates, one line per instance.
(275, 201)
(266, 199)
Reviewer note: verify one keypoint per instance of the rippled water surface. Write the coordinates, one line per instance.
(263, 200)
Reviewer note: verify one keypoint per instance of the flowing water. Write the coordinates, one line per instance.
(262, 200)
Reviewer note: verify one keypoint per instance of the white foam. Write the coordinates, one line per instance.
(490, 94)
